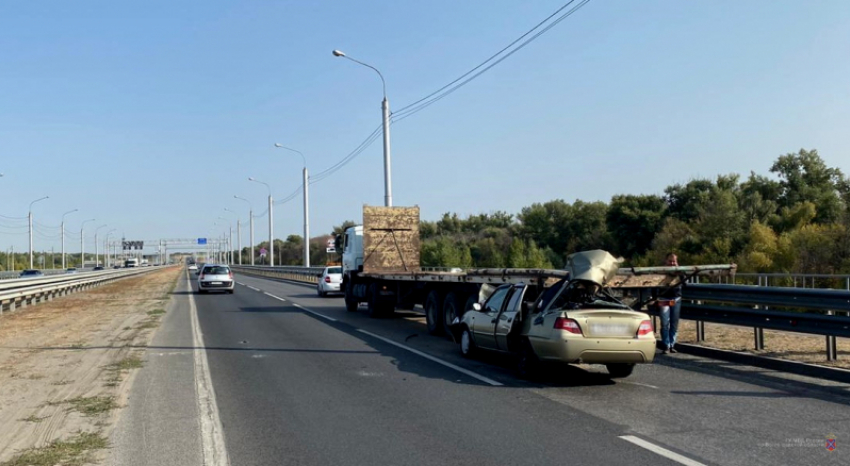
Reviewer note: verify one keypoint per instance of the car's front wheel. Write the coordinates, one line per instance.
(620, 370)
(467, 346)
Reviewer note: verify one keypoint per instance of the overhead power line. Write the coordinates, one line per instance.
(493, 60)
(451, 87)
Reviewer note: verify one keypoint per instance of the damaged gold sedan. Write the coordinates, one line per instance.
(576, 320)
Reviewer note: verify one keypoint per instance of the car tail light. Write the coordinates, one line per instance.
(202, 276)
(645, 328)
(570, 325)
(327, 279)
(230, 274)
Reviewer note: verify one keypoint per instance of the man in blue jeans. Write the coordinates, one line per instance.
(669, 306)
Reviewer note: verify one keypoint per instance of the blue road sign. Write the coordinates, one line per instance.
(202, 241)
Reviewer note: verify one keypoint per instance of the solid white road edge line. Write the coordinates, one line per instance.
(661, 451)
(437, 360)
(212, 432)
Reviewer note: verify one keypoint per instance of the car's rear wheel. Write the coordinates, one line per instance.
(467, 345)
(319, 291)
(230, 291)
(200, 291)
(620, 370)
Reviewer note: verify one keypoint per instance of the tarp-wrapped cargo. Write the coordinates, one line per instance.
(390, 239)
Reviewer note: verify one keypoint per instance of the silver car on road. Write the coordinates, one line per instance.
(214, 277)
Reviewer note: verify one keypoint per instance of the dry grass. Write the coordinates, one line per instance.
(72, 452)
(783, 345)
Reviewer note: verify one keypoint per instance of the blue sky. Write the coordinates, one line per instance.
(150, 116)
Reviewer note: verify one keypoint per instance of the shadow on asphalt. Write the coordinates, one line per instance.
(768, 378)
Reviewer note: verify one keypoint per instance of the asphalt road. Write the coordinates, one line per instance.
(317, 385)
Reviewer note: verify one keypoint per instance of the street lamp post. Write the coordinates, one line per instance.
(230, 241)
(96, 246)
(238, 235)
(30, 222)
(83, 243)
(108, 262)
(251, 223)
(306, 183)
(271, 221)
(385, 109)
(63, 235)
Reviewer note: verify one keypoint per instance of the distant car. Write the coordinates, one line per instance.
(329, 281)
(31, 273)
(99, 267)
(193, 267)
(116, 266)
(215, 278)
(71, 270)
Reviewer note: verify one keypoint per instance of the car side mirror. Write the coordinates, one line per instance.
(476, 307)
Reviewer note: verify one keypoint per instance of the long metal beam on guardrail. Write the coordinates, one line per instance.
(16, 294)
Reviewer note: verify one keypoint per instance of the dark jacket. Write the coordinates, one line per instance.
(673, 293)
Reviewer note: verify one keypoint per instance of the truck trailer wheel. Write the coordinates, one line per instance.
(350, 301)
(452, 307)
(377, 307)
(434, 313)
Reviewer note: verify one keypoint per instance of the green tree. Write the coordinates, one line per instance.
(634, 221)
(805, 177)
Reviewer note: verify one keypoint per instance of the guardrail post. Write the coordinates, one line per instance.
(700, 331)
(831, 344)
(759, 337)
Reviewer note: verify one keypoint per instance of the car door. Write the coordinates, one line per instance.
(507, 318)
(484, 327)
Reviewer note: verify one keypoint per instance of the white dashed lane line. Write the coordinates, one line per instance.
(273, 296)
(486, 380)
(255, 289)
(661, 451)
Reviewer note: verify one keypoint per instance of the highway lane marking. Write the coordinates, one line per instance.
(434, 359)
(661, 451)
(251, 287)
(486, 380)
(273, 296)
(638, 383)
(240, 283)
(314, 312)
(212, 431)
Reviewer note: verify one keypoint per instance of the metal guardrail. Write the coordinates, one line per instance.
(16, 294)
(804, 310)
(304, 274)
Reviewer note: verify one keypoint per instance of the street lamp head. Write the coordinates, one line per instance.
(338, 53)
(251, 179)
(277, 144)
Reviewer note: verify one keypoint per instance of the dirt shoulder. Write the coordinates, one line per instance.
(66, 367)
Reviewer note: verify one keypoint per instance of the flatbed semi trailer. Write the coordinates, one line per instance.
(380, 262)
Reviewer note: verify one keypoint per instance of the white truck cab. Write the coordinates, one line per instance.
(352, 250)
